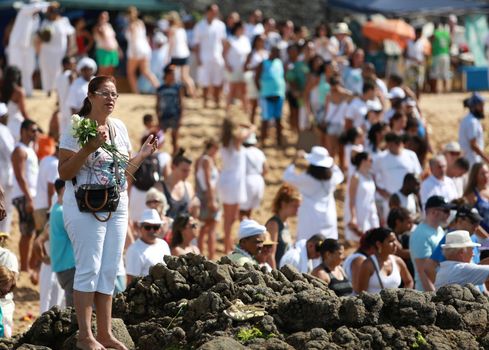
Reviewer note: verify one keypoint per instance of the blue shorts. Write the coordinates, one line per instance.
(271, 107)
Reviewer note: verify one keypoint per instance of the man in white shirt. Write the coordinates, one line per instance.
(438, 183)
(62, 86)
(390, 167)
(415, 60)
(458, 269)
(470, 133)
(7, 143)
(358, 108)
(254, 26)
(209, 37)
(77, 93)
(304, 255)
(148, 250)
(20, 51)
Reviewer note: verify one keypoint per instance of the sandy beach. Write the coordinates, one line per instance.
(443, 113)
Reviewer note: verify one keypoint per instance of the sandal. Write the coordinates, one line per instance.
(241, 312)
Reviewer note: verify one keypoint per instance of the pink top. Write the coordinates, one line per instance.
(105, 37)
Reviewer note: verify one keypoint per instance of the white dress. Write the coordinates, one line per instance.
(137, 43)
(317, 212)
(52, 52)
(255, 184)
(15, 119)
(366, 210)
(232, 181)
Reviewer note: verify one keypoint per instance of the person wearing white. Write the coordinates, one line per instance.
(304, 254)
(360, 210)
(458, 268)
(48, 173)
(53, 50)
(77, 93)
(7, 143)
(254, 26)
(62, 86)
(255, 170)
(317, 212)
(148, 250)
(358, 108)
(438, 183)
(209, 35)
(390, 167)
(50, 291)
(9, 260)
(20, 50)
(470, 133)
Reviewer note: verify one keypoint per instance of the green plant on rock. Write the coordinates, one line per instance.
(246, 334)
(420, 340)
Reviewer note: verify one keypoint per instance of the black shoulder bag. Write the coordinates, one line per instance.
(96, 198)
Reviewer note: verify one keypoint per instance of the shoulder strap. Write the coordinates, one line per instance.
(376, 271)
(116, 163)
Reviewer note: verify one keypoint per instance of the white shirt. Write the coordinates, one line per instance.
(179, 44)
(62, 85)
(317, 212)
(297, 257)
(60, 29)
(253, 30)
(255, 160)
(9, 260)
(26, 24)
(408, 202)
(389, 169)
(239, 48)
(357, 110)
(415, 50)
(48, 173)
(141, 256)
(77, 93)
(209, 37)
(471, 128)
(7, 143)
(456, 272)
(31, 171)
(432, 186)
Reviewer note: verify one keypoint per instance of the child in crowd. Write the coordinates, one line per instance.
(169, 104)
(7, 284)
(150, 125)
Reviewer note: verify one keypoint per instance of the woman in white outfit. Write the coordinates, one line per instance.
(179, 50)
(236, 50)
(383, 269)
(54, 46)
(257, 55)
(97, 245)
(360, 210)
(256, 168)
(138, 51)
(13, 95)
(317, 213)
(232, 181)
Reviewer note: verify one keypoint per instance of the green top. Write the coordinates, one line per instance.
(240, 257)
(297, 74)
(441, 42)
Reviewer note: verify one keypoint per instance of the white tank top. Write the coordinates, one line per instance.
(179, 45)
(31, 171)
(388, 282)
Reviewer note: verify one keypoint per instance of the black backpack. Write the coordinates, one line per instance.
(148, 173)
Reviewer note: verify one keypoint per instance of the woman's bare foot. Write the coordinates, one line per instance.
(89, 343)
(111, 342)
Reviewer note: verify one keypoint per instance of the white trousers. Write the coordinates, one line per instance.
(97, 246)
(51, 292)
(6, 223)
(23, 58)
(50, 67)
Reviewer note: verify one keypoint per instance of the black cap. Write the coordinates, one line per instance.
(466, 211)
(438, 202)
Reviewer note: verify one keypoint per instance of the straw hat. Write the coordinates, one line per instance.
(459, 239)
(341, 28)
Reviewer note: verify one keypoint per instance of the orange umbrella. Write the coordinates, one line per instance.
(393, 29)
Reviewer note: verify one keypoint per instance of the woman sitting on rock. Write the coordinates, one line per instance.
(330, 270)
(185, 230)
(383, 269)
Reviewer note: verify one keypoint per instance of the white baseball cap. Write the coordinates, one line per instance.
(150, 216)
(319, 156)
(250, 228)
(3, 109)
(459, 239)
(396, 92)
(452, 146)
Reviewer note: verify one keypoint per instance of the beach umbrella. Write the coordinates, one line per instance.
(391, 29)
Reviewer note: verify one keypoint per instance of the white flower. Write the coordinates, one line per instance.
(75, 123)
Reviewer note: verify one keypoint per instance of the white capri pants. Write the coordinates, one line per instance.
(97, 246)
(211, 73)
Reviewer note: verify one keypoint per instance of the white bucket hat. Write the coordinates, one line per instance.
(86, 62)
(150, 216)
(319, 156)
(250, 228)
(342, 28)
(459, 239)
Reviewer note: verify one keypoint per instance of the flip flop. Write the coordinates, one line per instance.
(241, 312)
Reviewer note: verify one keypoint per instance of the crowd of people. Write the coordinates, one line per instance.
(414, 216)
